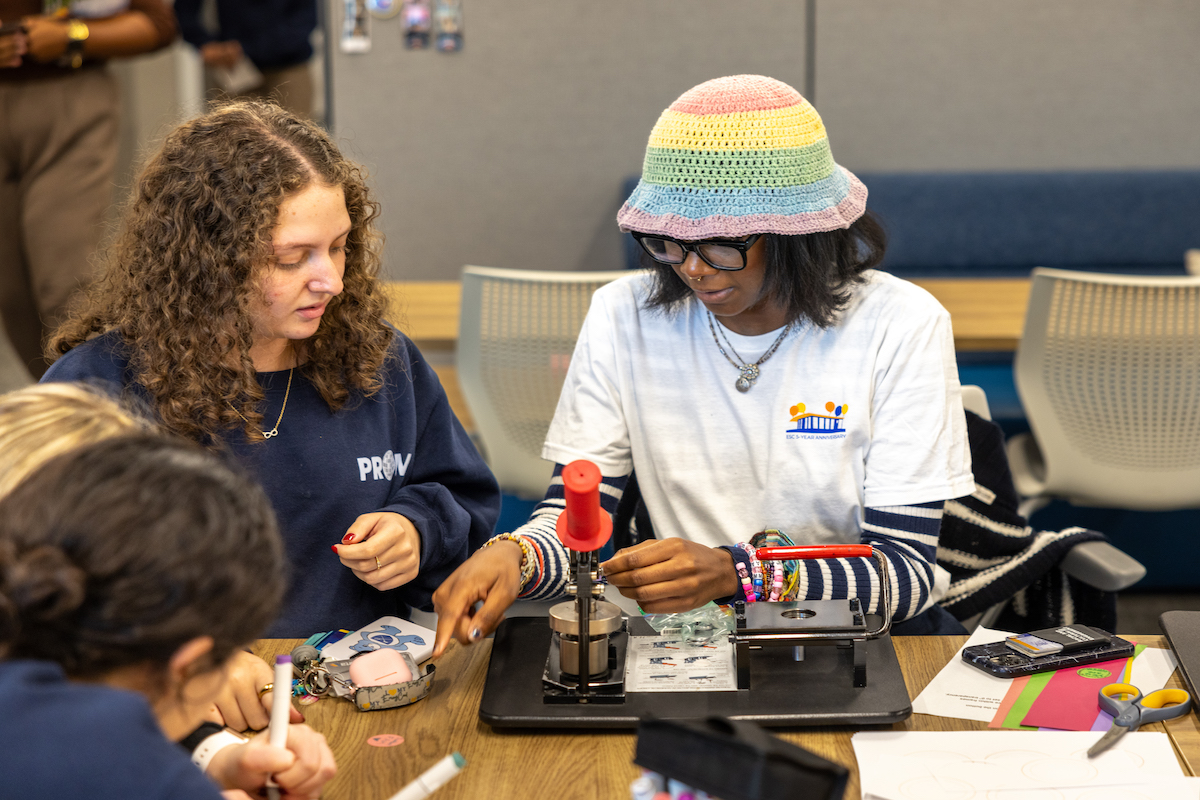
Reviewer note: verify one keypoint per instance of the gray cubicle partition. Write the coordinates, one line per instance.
(512, 152)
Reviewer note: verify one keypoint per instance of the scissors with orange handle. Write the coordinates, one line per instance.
(1130, 710)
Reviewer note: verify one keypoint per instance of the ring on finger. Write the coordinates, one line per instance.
(268, 687)
(377, 565)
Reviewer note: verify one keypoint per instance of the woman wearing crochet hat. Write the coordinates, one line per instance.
(762, 379)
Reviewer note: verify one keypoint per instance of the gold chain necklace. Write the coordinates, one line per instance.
(286, 393)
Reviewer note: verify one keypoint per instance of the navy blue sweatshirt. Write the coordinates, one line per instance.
(402, 450)
(60, 739)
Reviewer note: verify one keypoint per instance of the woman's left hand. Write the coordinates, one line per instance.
(670, 575)
(383, 549)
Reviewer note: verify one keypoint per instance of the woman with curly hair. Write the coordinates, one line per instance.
(761, 378)
(242, 300)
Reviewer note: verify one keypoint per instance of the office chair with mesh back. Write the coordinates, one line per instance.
(1108, 370)
(517, 332)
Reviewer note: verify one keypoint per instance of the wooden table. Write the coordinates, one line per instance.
(987, 313)
(525, 765)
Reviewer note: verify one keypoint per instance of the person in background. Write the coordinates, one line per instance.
(761, 377)
(241, 301)
(43, 421)
(131, 569)
(58, 149)
(274, 35)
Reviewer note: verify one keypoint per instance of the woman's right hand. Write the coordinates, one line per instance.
(492, 575)
(13, 45)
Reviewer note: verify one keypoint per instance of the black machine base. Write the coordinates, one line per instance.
(560, 688)
(785, 693)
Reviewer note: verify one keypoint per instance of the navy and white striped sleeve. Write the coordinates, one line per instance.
(907, 536)
(550, 573)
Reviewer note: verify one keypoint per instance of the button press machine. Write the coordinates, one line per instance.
(580, 682)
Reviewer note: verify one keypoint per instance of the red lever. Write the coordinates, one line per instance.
(802, 551)
(584, 526)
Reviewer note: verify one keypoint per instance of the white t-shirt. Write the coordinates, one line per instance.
(866, 413)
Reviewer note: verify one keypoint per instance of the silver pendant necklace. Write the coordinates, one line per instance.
(748, 372)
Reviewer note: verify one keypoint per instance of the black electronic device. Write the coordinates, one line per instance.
(736, 760)
(1182, 629)
(1063, 647)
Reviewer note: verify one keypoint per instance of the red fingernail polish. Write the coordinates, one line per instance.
(349, 537)
(334, 548)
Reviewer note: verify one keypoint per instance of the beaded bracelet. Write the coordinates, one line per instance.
(756, 572)
(783, 573)
(776, 580)
(747, 589)
(754, 584)
(527, 556)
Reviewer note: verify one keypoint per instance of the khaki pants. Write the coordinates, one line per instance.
(58, 150)
(291, 87)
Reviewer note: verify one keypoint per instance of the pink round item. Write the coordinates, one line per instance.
(379, 668)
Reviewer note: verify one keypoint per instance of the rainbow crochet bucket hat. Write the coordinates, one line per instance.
(737, 156)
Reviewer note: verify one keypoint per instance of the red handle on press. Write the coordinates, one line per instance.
(584, 526)
(802, 551)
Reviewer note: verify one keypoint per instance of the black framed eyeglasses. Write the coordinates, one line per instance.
(717, 253)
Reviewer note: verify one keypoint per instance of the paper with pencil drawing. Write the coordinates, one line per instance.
(1024, 765)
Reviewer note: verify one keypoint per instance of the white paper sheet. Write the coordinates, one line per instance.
(962, 691)
(1022, 765)
(666, 664)
(1152, 669)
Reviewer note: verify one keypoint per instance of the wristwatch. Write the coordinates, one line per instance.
(77, 34)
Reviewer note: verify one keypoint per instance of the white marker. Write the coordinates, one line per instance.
(281, 709)
(432, 779)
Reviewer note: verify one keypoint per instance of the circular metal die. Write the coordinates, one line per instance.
(799, 613)
(564, 620)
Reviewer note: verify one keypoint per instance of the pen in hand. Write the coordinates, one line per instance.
(281, 707)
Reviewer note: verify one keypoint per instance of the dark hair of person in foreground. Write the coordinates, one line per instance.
(118, 553)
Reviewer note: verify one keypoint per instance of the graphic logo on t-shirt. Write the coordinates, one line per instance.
(382, 468)
(809, 425)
